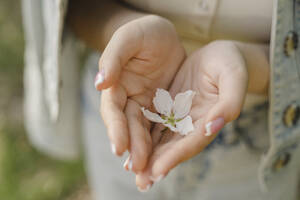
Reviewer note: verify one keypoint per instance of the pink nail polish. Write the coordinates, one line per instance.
(126, 163)
(214, 126)
(99, 79)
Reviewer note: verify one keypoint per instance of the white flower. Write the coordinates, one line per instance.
(173, 114)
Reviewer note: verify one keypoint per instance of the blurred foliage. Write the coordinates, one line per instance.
(11, 55)
(11, 41)
(25, 174)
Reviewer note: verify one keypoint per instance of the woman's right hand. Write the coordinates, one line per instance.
(218, 76)
(220, 73)
(141, 56)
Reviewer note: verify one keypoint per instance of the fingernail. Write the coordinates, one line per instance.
(214, 126)
(99, 78)
(130, 165)
(146, 189)
(125, 165)
(113, 149)
(157, 179)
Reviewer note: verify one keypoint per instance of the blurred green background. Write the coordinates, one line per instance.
(25, 174)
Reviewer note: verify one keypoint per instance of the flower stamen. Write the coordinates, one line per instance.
(172, 114)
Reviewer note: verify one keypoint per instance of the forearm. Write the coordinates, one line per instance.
(257, 60)
(95, 21)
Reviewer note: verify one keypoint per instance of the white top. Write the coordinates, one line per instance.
(206, 20)
(51, 79)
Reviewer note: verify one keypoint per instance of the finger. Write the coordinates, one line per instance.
(167, 140)
(143, 184)
(123, 45)
(170, 155)
(161, 134)
(142, 178)
(140, 139)
(112, 106)
(128, 163)
(232, 92)
(157, 132)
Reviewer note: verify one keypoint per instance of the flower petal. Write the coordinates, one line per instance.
(163, 102)
(183, 103)
(152, 116)
(185, 126)
(172, 128)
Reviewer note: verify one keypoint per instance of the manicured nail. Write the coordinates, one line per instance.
(214, 126)
(99, 78)
(130, 165)
(125, 165)
(113, 149)
(157, 179)
(146, 189)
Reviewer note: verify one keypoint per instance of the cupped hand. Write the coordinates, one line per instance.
(141, 56)
(217, 74)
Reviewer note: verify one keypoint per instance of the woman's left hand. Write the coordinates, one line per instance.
(218, 75)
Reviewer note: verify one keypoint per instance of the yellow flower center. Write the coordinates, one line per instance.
(170, 119)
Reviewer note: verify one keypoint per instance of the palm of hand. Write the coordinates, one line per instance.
(207, 78)
(149, 54)
(167, 144)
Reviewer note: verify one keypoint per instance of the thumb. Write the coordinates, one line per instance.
(232, 92)
(124, 44)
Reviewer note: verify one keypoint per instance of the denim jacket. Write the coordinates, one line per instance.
(282, 159)
(52, 76)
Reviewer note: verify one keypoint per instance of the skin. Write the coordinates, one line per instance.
(142, 52)
(138, 59)
(218, 75)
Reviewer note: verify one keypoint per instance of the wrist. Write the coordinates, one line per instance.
(257, 63)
